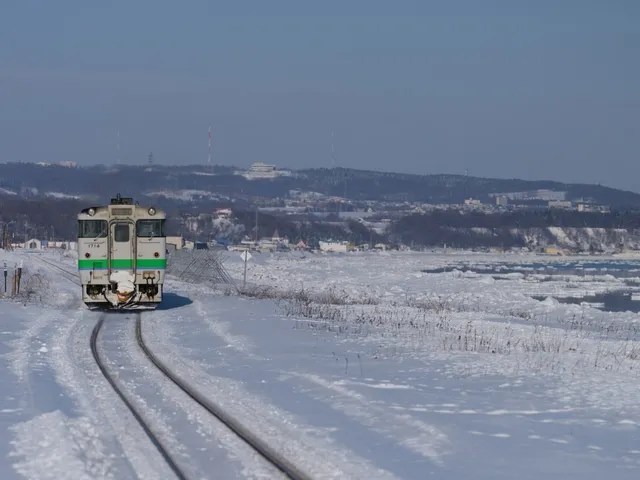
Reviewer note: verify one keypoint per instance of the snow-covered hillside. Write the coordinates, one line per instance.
(354, 365)
(583, 239)
(570, 238)
(4, 191)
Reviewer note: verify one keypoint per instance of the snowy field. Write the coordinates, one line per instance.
(355, 366)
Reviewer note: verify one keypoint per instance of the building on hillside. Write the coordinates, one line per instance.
(588, 207)
(262, 171)
(59, 244)
(276, 238)
(336, 247)
(176, 241)
(223, 213)
(301, 245)
(554, 251)
(222, 241)
(502, 200)
(472, 201)
(33, 244)
(540, 194)
(274, 243)
(559, 204)
(246, 244)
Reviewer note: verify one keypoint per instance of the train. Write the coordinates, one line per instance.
(122, 255)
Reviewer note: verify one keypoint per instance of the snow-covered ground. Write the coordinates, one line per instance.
(186, 195)
(4, 191)
(354, 365)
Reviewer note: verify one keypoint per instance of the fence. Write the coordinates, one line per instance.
(10, 280)
(198, 266)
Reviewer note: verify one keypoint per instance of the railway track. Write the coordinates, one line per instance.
(152, 436)
(68, 275)
(287, 468)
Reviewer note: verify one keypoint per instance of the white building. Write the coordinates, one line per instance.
(177, 241)
(559, 204)
(223, 213)
(33, 244)
(541, 194)
(338, 247)
(261, 170)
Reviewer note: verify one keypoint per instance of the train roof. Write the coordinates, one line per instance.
(121, 207)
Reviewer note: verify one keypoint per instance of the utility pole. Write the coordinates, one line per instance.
(345, 186)
(333, 164)
(256, 225)
(244, 275)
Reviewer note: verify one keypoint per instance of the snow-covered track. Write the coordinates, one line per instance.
(154, 439)
(261, 447)
(72, 276)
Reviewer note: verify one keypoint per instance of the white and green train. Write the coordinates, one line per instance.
(122, 254)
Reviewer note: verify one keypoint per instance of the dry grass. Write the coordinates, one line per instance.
(446, 324)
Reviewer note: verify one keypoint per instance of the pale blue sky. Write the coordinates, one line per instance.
(531, 89)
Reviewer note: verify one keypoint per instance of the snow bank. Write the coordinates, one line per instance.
(53, 446)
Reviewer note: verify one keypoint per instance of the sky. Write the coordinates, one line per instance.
(535, 89)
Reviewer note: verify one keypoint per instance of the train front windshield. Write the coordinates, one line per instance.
(150, 228)
(92, 228)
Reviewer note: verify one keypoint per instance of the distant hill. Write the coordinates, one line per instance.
(101, 183)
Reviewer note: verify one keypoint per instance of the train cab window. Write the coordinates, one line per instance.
(150, 228)
(92, 228)
(121, 232)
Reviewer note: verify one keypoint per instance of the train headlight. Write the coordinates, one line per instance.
(92, 211)
(152, 211)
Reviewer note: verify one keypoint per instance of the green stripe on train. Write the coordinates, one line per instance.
(152, 263)
(123, 264)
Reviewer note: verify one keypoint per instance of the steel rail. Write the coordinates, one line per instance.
(74, 277)
(261, 447)
(153, 437)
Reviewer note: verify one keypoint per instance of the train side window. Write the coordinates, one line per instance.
(121, 232)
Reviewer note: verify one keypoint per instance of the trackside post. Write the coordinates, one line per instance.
(245, 256)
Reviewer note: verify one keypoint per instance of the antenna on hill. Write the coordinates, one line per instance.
(118, 147)
(150, 158)
(333, 164)
(209, 151)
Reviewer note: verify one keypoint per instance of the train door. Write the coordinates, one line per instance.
(122, 256)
